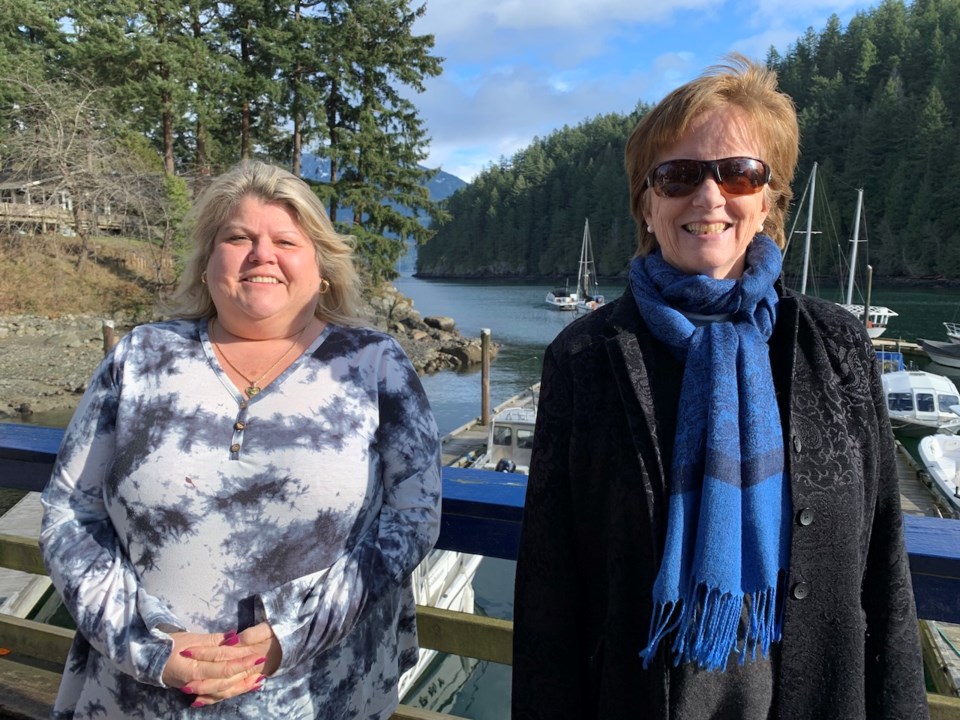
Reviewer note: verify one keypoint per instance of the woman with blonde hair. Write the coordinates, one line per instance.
(242, 494)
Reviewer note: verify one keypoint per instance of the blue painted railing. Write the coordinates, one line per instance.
(483, 512)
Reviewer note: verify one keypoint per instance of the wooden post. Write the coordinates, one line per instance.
(485, 376)
(109, 336)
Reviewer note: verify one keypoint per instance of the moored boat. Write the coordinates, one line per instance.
(588, 290)
(587, 295)
(940, 455)
(874, 317)
(562, 299)
(877, 318)
(920, 403)
(443, 580)
(953, 331)
(944, 353)
(510, 441)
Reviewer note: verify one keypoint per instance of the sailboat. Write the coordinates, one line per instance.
(586, 296)
(588, 291)
(877, 316)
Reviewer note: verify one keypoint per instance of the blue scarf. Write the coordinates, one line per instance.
(729, 512)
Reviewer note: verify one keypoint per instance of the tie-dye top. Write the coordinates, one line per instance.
(176, 503)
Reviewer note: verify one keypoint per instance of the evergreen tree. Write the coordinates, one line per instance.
(376, 139)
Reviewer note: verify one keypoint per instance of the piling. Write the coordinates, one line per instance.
(485, 376)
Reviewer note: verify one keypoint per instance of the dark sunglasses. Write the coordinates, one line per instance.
(734, 175)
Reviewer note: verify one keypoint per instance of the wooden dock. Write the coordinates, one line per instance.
(940, 640)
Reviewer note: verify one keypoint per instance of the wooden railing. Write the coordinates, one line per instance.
(482, 514)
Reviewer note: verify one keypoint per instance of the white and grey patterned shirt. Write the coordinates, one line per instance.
(178, 504)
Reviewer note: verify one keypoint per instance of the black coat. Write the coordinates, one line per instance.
(595, 518)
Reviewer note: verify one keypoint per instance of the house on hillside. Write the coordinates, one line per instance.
(42, 206)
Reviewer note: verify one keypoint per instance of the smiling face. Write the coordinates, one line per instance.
(708, 232)
(263, 274)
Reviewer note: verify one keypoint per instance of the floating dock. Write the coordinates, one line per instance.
(940, 641)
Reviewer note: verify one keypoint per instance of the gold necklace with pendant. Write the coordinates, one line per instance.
(253, 387)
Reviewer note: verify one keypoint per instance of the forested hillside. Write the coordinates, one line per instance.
(879, 107)
(525, 216)
(123, 104)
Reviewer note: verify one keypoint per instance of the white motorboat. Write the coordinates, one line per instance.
(920, 403)
(953, 331)
(443, 580)
(877, 319)
(562, 299)
(944, 353)
(510, 441)
(940, 455)
(507, 443)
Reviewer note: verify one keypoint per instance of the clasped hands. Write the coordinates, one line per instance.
(217, 666)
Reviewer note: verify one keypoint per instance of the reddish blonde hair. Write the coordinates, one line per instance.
(770, 114)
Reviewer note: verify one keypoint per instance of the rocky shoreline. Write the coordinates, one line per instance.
(45, 363)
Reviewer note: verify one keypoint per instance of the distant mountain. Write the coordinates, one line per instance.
(442, 186)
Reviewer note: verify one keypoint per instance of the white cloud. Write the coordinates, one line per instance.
(519, 69)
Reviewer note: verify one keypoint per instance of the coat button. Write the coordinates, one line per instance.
(235, 448)
(805, 517)
(239, 426)
(801, 590)
(797, 445)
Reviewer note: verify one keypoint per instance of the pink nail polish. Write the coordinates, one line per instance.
(197, 704)
(232, 640)
(187, 690)
(261, 679)
(186, 653)
(230, 633)
(260, 661)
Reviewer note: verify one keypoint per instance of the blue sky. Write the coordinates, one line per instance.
(520, 69)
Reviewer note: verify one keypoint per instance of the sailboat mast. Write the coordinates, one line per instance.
(853, 250)
(583, 282)
(806, 244)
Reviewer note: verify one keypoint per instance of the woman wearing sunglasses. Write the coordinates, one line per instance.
(712, 527)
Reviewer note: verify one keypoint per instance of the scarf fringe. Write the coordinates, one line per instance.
(708, 628)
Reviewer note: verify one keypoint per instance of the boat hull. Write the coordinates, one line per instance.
(560, 300)
(940, 456)
(942, 353)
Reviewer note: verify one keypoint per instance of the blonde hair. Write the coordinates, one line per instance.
(770, 115)
(340, 304)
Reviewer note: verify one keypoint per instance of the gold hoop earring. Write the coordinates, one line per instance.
(324, 286)
(203, 277)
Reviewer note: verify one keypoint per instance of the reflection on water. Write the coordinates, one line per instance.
(54, 418)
